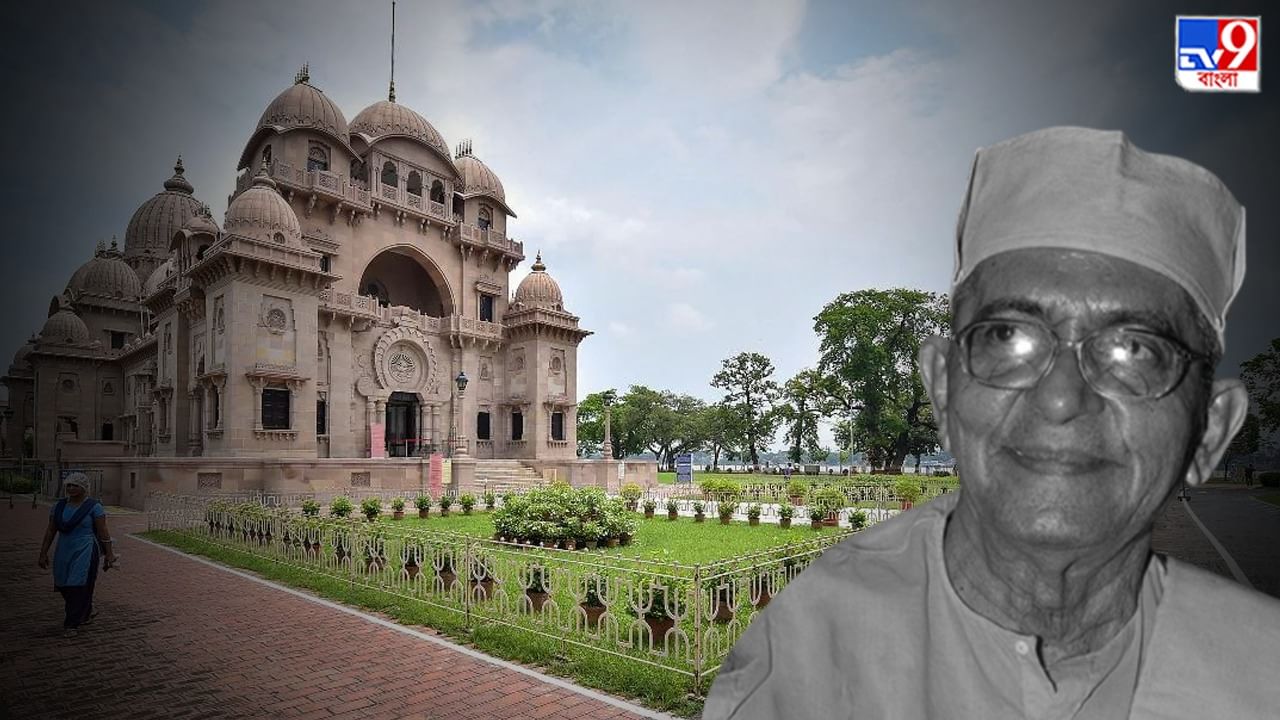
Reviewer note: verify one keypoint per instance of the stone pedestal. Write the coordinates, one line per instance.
(464, 476)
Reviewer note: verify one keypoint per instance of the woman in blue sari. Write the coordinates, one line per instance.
(81, 526)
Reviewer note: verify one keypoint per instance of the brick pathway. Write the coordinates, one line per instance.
(177, 638)
(1176, 535)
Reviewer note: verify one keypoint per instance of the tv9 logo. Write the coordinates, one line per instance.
(1219, 54)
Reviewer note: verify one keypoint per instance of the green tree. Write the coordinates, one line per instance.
(675, 427)
(819, 454)
(722, 431)
(747, 379)
(591, 423)
(1261, 375)
(869, 343)
(801, 408)
(633, 421)
(1246, 442)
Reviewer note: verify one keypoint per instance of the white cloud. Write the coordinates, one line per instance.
(682, 316)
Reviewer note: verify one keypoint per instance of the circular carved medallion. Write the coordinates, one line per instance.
(403, 360)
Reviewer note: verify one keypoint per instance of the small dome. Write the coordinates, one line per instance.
(300, 107)
(156, 220)
(538, 289)
(261, 213)
(202, 223)
(478, 179)
(385, 119)
(21, 359)
(65, 328)
(106, 275)
(158, 276)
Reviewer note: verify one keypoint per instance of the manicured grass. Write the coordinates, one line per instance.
(650, 686)
(669, 478)
(1273, 498)
(681, 540)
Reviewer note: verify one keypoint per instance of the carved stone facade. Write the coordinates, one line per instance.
(368, 242)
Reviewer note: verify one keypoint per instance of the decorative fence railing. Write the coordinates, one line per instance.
(679, 617)
(881, 496)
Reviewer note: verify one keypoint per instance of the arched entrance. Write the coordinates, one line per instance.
(402, 425)
(403, 275)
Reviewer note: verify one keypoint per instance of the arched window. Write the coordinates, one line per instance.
(317, 157)
(414, 184)
(485, 218)
(266, 155)
(375, 290)
(360, 173)
(389, 176)
(437, 192)
(457, 207)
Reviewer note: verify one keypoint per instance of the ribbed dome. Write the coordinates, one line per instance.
(65, 327)
(20, 358)
(202, 223)
(106, 275)
(261, 213)
(162, 271)
(538, 289)
(478, 179)
(388, 119)
(154, 223)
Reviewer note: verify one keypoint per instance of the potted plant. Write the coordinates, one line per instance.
(785, 511)
(411, 560)
(858, 519)
(673, 509)
(649, 506)
(830, 500)
(698, 508)
(796, 491)
(445, 570)
(490, 500)
(592, 531)
(375, 552)
(753, 514)
(467, 501)
(663, 597)
(592, 603)
(445, 502)
(724, 598)
(372, 508)
(341, 506)
(908, 492)
(423, 503)
(536, 587)
(397, 508)
(481, 577)
(310, 507)
(726, 509)
(631, 492)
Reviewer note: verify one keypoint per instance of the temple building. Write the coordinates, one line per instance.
(354, 305)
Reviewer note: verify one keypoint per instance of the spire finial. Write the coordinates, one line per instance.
(537, 264)
(114, 245)
(100, 249)
(464, 149)
(391, 92)
(177, 167)
(303, 75)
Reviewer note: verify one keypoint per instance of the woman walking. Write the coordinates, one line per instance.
(81, 526)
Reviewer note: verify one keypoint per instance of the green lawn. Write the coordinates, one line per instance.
(650, 686)
(1273, 498)
(682, 540)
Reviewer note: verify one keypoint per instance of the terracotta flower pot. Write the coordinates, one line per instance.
(570, 544)
(724, 606)
(374, 565)
(784, 523)
(648, 514)
(537, 600)
(422, 514)
(659, 627)
(592, 544)
(444, 513)
(448, 579)
(397, 515)
(484, 591)
(906, 505)
(831, 521)
(753, 521)
(624, 539)
(672, 515)
(816, 523)
(611, 542)
(412, 570)
(593, 614)
(725, 520)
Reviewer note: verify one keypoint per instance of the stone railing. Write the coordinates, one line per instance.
(460, 325)
(420, 204)
(323, 181)
(349, 303)
(492, 238)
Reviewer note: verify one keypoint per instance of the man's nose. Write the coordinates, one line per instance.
(1063, 393)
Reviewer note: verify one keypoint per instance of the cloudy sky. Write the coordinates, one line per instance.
(700, 177)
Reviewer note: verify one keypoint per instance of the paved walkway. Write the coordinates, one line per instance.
(178, 638)
(1248, 529)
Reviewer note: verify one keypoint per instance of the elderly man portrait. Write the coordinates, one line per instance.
(1077, 394)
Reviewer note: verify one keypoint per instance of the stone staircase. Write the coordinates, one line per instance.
(503, 476)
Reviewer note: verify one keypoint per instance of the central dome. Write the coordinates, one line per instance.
(385, 119)
(156, 220)
(302, 106)
(260, 213)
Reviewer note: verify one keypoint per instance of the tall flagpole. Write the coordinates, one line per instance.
(391, 94)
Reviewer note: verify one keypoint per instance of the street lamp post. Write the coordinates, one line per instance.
(459, 441)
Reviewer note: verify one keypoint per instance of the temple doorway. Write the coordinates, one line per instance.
(402, 425)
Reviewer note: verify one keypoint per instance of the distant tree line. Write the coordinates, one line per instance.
(865, 380)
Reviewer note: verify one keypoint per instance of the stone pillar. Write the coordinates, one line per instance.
(608, 435)
(376, 410)
(463, 470)
(257, 384)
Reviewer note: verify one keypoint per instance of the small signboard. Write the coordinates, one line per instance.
(435, 475)
(684, 469)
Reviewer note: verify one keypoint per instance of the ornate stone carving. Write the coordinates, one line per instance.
(404, 360)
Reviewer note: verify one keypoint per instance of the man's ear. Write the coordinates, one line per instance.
(1227, 407)
(933, 370)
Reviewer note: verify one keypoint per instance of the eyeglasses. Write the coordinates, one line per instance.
(1119, 362)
